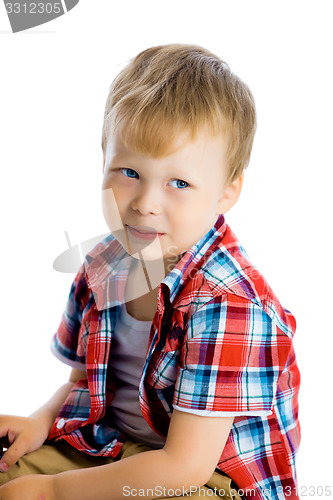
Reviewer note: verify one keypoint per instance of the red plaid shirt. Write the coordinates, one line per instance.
(220, 341)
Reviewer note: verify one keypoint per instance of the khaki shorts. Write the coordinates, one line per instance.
(61, 457)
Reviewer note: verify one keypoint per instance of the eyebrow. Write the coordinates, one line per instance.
(121, 156)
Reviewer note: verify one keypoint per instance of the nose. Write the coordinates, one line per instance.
(147, 201)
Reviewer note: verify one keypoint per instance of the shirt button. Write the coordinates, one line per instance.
(61, 423)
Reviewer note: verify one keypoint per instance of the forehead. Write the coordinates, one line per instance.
(202, 145)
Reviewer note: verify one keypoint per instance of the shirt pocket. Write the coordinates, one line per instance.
(162, 369)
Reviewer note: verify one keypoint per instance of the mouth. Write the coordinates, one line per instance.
(142, 233)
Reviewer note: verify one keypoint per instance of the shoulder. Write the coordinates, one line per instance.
(228, 269)
(228, 278)
(96, 257)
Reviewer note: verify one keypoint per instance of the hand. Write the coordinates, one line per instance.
(23, 435)
(32, 487)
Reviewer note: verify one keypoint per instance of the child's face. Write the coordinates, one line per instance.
(171, 201)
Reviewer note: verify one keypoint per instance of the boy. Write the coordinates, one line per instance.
(183, 367)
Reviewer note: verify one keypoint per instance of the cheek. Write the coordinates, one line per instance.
(116, 181)
(113, 209)
(192, 219)
(120, 194)
(187, 211)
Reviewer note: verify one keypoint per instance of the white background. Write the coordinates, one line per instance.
(53, 87)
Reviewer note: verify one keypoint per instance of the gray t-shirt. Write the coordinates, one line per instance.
(128, 352)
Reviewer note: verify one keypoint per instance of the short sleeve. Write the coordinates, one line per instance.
(231, 361)
(68, 342)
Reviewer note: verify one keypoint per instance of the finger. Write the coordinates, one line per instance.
(3, 431)
(14, 452)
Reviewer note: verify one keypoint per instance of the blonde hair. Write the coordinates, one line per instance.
(169, 89)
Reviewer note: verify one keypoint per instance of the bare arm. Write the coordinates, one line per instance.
(189, 457)
(26, 434)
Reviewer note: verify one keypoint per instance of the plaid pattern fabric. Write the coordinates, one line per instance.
(220, 341)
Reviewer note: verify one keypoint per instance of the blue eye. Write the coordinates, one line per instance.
(129, 172)
(180, 184)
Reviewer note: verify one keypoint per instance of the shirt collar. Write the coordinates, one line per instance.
(106, 270)
(193, 260)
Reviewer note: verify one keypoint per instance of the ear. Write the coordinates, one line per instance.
(230, 195)
(103, 162)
